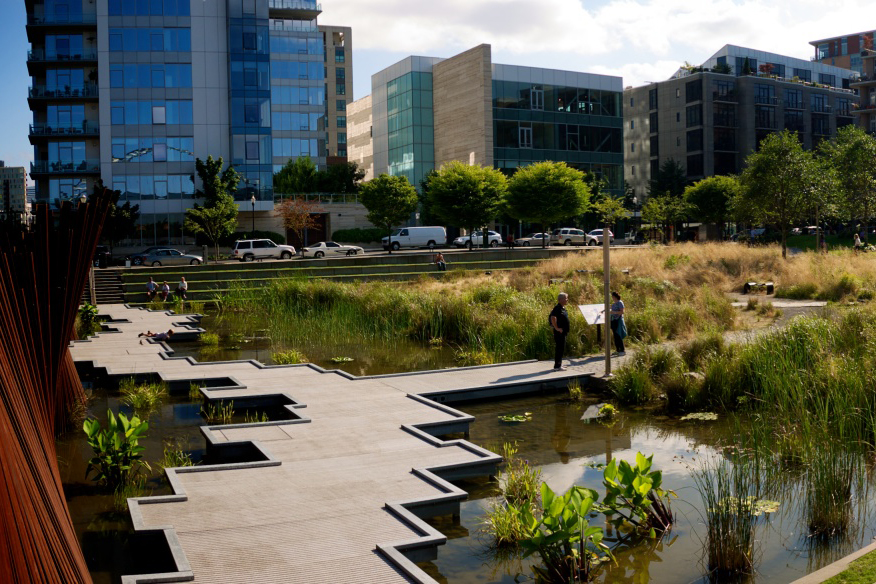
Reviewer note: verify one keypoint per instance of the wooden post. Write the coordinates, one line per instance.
(607, 298)
(91, 284)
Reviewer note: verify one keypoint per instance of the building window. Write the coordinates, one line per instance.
(655, 146)
(632, 124)
(677, 116)
(159, 152)
(724, 115)
(341, 105)
(820, 125)
(677, 92)
(537, 98)
(765, 117)
(631, 102)
(342, 138)
(803, 74)
(250, 114)
(723, 90)
(159, 115)
(652, 99)
(342, 121)
(695, 165)
(652, 122)
(695, 140)
(765, 94)
(793, 99)
(340, 73)
(249, 41)
(339, 55)
(525, 137)
(678, 141)
(819, 103)
(827, 79)
(693, 91)
(252, 150)
(633, 170)
(340, 89)
(694, 115)
(342, 152)
(632, 146)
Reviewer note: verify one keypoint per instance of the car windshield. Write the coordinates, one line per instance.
(395, 233)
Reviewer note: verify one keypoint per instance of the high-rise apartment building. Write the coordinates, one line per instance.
(338, 43)
(428, 111)
(843, 51)
(132, 91)
(866, 86)
(15, 179)
(709, 118)
(359, 130)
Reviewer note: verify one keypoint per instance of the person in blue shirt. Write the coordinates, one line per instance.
(617, 319)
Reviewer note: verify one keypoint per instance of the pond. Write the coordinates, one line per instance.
(556, 440)
(250, 337)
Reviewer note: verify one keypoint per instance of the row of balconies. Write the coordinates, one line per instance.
(90, 166)
(86, 91)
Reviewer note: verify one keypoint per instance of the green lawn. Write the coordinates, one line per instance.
(807, 242)
(861, 571)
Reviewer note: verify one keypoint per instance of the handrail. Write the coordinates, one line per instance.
(81, 166)
(46, 130)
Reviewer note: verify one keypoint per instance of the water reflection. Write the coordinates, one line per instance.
(564, 447)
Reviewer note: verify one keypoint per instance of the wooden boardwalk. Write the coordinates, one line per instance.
(333, 494)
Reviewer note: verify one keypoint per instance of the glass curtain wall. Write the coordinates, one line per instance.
(411, 126)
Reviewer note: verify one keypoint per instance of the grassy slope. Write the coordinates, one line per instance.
(861, 571)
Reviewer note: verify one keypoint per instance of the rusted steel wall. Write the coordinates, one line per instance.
(42, 274)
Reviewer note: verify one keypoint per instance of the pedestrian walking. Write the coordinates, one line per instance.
(559, 321)
(858, 244)
(618, 326)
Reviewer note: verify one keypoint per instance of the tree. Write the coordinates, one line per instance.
(709, 199)
(824, 192)
(468, 196)
(299, 175)
(664, 211)
(853, 154)
(390, 200)
(670, 178)
(121, 220)
(214, 221)
(546, 192)
(427, 215)
(340, 178)
(766, 68)
(215, 181)
(722, 68)
(218, 217)
(774, 183)
(746, 67)
(299, 215)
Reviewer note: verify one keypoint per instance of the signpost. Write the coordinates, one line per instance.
(594, 314)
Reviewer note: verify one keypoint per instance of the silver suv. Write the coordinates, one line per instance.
(247, 250)
(568, 236)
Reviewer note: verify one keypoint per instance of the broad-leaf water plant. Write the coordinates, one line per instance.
(634, 497)
(118, 455)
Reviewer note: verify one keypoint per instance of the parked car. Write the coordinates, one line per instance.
(137, 258)
(330, 248)
(102, 257)
(476, 239)
(568, 236)
(595, 237)
(167, 257)
(430, 237)
(534, 239)
(247, 250)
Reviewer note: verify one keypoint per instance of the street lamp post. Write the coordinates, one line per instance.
(252, 200)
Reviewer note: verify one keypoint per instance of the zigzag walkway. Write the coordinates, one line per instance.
(336, 492)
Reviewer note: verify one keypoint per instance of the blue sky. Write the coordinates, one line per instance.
(640, 40)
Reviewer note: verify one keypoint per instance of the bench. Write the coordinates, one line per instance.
(750, 287)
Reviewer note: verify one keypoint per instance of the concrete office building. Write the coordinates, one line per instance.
(428, 111)
(709, 121)
(843, 51)
(133, 91)
(338, 43)
(16, 177)
(359, 127)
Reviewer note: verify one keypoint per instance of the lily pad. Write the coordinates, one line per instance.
(516, 418)
(753, 505)
(341, 359)
(701, 416)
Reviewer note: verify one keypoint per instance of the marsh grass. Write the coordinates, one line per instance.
(576, 392)
(288, 357)
(195, 391)
(143, 398)
(520, 483)
(175, 454)
(135, 488)
(632, 385)
(210, 339)
(218, 412)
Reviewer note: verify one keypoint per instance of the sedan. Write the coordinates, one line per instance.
(595, 237)
(476, 239)
(330, 248)
(137, 258)
(533, 239)
(166, 257)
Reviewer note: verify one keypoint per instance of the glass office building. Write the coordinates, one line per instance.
(132, 91)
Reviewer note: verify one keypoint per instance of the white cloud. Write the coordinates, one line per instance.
(644, 40)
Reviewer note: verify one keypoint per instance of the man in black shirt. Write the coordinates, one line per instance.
(559, 320)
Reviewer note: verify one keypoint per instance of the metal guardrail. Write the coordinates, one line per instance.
(294, 5)
(45, 92)
(40, 18)
(86, 129)
(328, 198)
(40, 55)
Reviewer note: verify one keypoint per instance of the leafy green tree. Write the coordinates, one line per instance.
(299, 175)
(710, 198)
(121, 220)
(722, 68)
(344, 177)
(546, 192)
(671, 178)
(390, 200)
(665, 211)
(468, 196)
(825, 199)
(218, 217)
(853, 154)
(774, 184)
(215, 181)
(427, 215)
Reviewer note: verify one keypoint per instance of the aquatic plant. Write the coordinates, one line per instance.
(218, 412)
(118, 457)
(210, 339)
(289, 357)
(135, 488)
(195, 391)
(632, 385)
(516, 418)
(175, 455)
(832, 471)
(255, 417)
(519, 480)
(142, 397)
(700, 416)
(607, 411)
(576, 392)
(570, 548)
(634, 496)
(341, 359)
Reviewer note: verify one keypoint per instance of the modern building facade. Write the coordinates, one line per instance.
(709, 121)
(843, 51)
(338, 44)
(132, 91)
(15, 179)
(359, 129)
(866, 86)
(428, 111)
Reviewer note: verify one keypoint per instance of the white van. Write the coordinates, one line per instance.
(430, 237)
